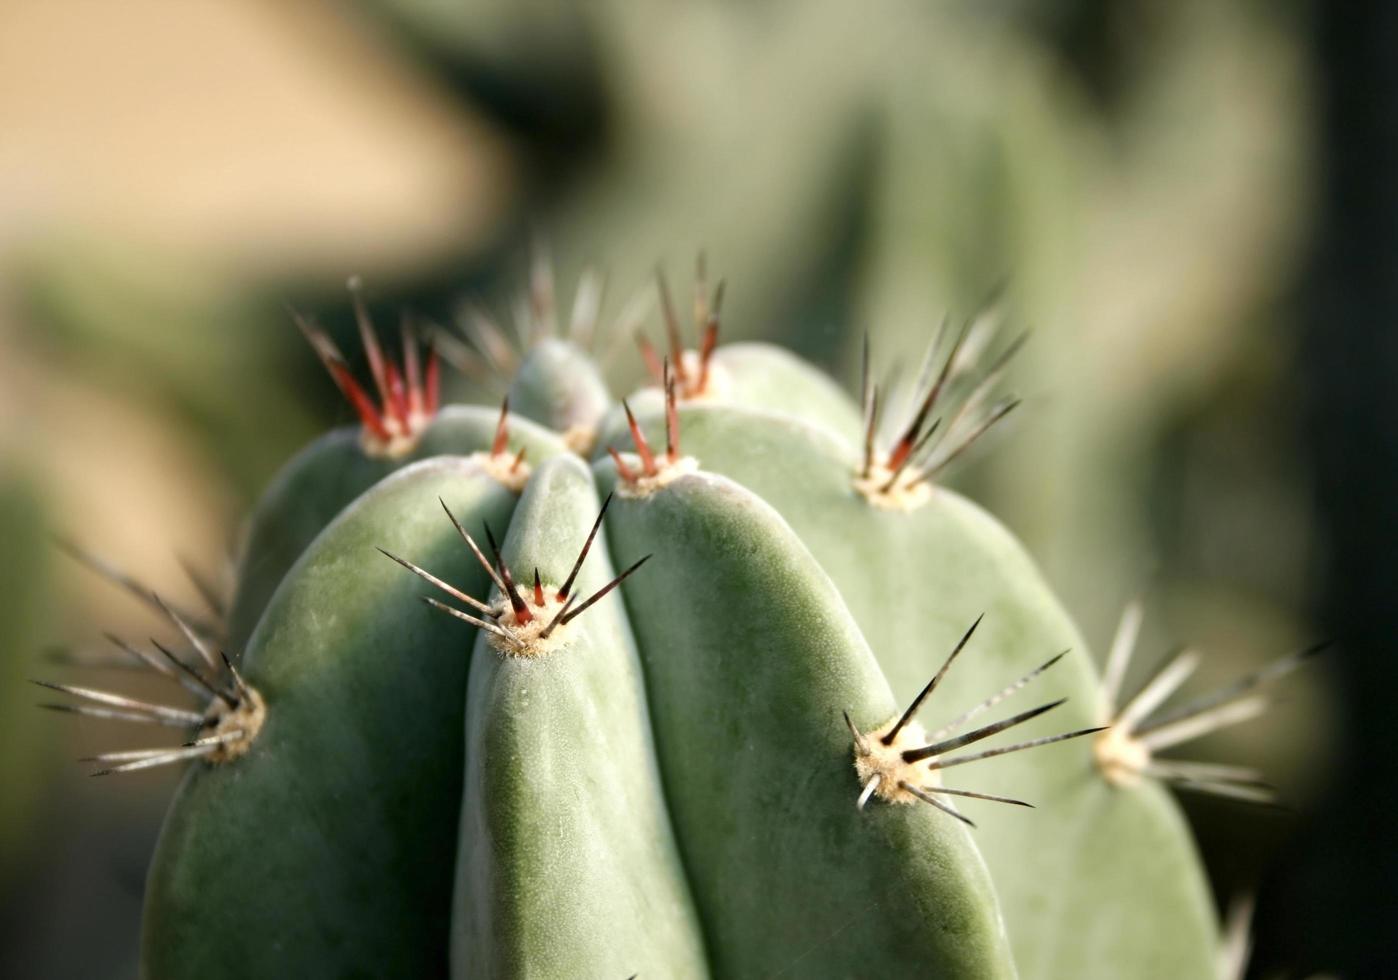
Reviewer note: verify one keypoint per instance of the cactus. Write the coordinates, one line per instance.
(741, 755)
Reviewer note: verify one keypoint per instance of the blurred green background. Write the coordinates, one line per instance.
(1141, 175)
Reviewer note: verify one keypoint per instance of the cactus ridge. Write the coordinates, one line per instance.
(567, 863)
(749, 652)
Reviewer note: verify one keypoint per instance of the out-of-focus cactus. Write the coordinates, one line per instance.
(745, 760)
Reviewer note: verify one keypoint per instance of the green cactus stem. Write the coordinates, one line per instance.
(726, 759)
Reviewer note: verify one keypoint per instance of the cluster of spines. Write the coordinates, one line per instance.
(925, 444)
(213, 679)
(692, 378)
(409, 393)
(513, 600)
(942, 741)
(649, 463)
(1138, 729)
(491, 353)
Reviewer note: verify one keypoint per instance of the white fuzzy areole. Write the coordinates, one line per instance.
(247, 717)
(718, 386)
(666, 473)
(400, 442)
(580, 438)
(907, 494)
(528, 641)
(873, 758)
(1120, 758)
(503, 469)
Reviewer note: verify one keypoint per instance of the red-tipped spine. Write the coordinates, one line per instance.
(627, 473)
(649, 355)
(901, 450)
(709, 339)
(672, 328)
(432, 398)
(502, 429)
(412, 367)
(517, 603)
(359, 399)
(672, 423)
(642, 446)
(370, 339)
(405, 399)
(870, 429)
(707, 343)
(398, 396)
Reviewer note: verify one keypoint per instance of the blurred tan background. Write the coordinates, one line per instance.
(173, 174)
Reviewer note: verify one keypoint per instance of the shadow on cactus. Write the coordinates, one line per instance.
(693, 768)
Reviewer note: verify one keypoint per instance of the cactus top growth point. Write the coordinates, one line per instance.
(714, 681)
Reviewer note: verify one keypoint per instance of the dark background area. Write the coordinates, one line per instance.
(1334, 902)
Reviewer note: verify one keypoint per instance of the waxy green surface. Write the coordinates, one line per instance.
(1097, 882)
(326, 476)
(559, 387)
(768, 378)
(328, 850)
(750, 657)
(567, 864)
